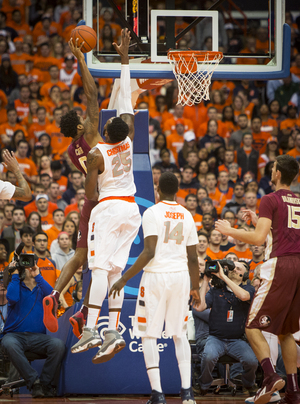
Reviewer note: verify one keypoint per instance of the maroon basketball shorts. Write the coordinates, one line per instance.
(84, 222)
(275, 307)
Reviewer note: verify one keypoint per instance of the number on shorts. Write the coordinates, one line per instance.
(142, 291)
(82, 161)
(121, 159)
(175, 234)
(294, 216)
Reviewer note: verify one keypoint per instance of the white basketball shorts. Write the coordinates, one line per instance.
(113, 226)
(163, 298)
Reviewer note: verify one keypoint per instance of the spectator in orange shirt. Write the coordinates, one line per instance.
(18, 58)
(45, 264)
(169, 126)
(268, 124)
(175, 141)
(191, 206)
(27, 166)
(66, 16)
(212, 140)
(212, 113)
(213, 250)
(45, 28)
(58, 178)
(53, 232)
(22, 103)
(16, 22)
(31, 72)
(250, 48)
(259, 138)
(258, 253)
(295, 152)
(54, 80)
(218, 198)
(36, 129)
(80, 194)
(44, 61)
(8, 129)
(228, 121)
(42, 201)
(292, 122)
(241, 249)
(3, 27)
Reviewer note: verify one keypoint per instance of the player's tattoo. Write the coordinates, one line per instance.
(92, 158)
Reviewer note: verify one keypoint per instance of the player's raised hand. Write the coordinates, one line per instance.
(223, 226)
(117, 287)
(122, 49)
(10, 162)
(249, 215)
(76, 49)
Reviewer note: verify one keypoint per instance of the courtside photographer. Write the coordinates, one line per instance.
(24, 331)
(229, 300)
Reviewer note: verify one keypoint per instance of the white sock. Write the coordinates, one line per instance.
(151, 357)
(114, 303)
(183, 355)
(92, 318)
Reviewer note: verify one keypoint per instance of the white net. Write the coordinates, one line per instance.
(193, 76)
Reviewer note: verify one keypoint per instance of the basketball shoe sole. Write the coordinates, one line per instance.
(50, 308)
(112, 344)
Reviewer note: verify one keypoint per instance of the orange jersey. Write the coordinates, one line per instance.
(215, 256)
(48, 270)
(242, 255)
(180, 196)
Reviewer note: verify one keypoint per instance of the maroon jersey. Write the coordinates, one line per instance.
(78, 151)
(283, 208)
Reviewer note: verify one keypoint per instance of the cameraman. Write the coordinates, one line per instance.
(24, 330)
(229, 306)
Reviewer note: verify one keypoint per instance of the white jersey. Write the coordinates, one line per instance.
(175, 228)
(117, 177)
(7, 190)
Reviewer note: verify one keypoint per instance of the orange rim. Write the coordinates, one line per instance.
(201, 56)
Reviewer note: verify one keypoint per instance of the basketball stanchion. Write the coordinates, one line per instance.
(193, 71)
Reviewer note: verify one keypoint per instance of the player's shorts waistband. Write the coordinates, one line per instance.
(122, 198)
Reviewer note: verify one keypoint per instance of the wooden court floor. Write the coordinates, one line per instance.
(27, 399)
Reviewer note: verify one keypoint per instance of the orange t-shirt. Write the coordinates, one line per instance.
(27, 166)
(31, 207)
(228, 195)
(224, 168)
(20, 5)
(260, 141)
(39, 31)
(71, 208)
(36, 130)
(45, 89)
(59, 142)
(47, 221)
(22, 29)
(43, 64)
(202, 130)
(215, 256)
(294, 153)
(170, 125)
(180, 196)
(242, 255)
(219, 200)
(52, 234)
(63, 183)
(8, 130)
(252, 266)
(198, 221)
(225, 87)
(196, 113)
(269, 125)
(295, 70)
(22, 108)
(48, 270)
(289, 123)
(18, 62)
(175, 143)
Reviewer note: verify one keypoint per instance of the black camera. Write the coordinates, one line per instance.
(22, 261)
(212, 267)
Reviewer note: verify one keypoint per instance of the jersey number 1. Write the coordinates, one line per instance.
(175, 234)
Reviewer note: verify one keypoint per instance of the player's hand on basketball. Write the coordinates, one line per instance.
(223, 226)
(249, 215)
(122, 49)
(195, 298)
(117, 287)
(76, 49)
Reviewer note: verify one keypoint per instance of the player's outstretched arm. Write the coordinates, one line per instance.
(125, 106)
(91, 92)
(22, 192)
(143, 259)
(93, 165)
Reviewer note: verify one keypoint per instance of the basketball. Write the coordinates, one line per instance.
(84, 34)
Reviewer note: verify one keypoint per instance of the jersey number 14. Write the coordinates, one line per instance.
(175, 234)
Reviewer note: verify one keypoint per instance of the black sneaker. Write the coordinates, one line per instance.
(37, 390)
(48, 391)
(157, 398)
(187, 396)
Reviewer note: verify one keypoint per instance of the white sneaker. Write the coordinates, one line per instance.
(113, 343)
(90, 339)
(275, 397)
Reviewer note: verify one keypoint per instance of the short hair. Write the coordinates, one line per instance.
(242, 116)
(208, 214)
(229, 211)
(44, 175)
(18, 208)
(41, 109)
(190, 196)
(76, 172)
(168, 183)
(38, 234)
(117, 130)
(201, 233)
(26, 230)
(56, 109)
(163, 151)
(56, 165)
(289, 168)
(247, 134)
(206, 200)
(231, 253)
(238, 183)
(68, 124)
(22, 141)
(256, 117)
(157, 167)
(58, 210)
(9, 109)
(187, 167)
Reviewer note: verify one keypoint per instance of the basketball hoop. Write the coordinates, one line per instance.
(193, 71)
